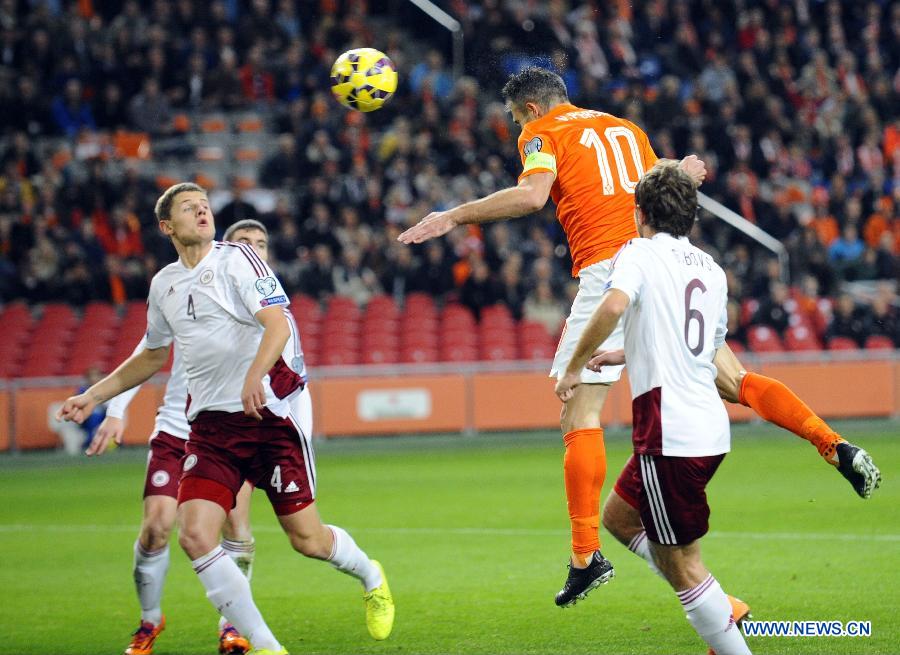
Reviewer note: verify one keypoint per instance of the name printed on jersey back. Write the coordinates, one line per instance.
(583, 113)
(689, 258)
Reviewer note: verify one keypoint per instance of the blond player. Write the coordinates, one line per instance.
(672, 299)
(589, 163)
(226, 310)
(171, 429)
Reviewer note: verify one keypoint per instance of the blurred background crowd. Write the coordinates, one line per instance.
(793, 105)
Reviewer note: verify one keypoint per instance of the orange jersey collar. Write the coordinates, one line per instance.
(558, 110)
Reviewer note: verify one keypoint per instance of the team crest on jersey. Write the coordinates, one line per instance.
(533, 146)
(160, 479)
(266, 286)
(190, 462)
(206, 276)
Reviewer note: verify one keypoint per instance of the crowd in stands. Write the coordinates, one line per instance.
(792, 105)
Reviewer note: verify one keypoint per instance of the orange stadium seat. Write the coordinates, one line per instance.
(250, 124)
(213, 125)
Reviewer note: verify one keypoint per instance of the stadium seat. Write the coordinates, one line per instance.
(737, 347)
(380, 355)
(763, 339)
(419, 337)
(879, 342)
(458, 353)
(801, 337)
(44, 361)
(535, 350)
(418, 355)
(842, 343)
(83, 359)
(339, 357)
(748, 310)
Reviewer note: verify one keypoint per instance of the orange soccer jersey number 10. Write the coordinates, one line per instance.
(576, 145)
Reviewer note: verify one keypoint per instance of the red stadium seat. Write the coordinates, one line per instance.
(763, 339)
(801, 337)
(382, 306)
(459, 338)
(380, 355)
(418, 355)
(458, 353)
(737, 347)
(879, 342)
(748, 309)
(537, 350)
(341, 357)
(842, 343)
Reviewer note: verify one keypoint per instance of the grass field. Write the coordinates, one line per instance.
(473, 534)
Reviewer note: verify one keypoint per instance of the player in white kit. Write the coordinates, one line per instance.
(672, 299)
(171, 429)
(226, 310)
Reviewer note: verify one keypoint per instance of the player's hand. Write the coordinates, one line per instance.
(113, 429)
(602, 358)
(565, 386)
(436, 224)
(77, 408)
(695, 167)
(253, 398)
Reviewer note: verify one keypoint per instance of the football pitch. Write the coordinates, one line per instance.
(473, 534)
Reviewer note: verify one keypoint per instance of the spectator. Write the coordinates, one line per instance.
(542, 306)
(149, 111)
(257, 83)
(71, 113)
(354, 279)
(845, 253)
(884, 320)
(772, 311)
(478, 291)
(430, 74)
(282, 169)
(236, 209)
(849, 321)
(318, 279)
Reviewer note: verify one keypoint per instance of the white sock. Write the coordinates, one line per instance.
(149, 576)
(641, 547)
(709, 612)
(346, 556)
(242, 552)
(229, 591)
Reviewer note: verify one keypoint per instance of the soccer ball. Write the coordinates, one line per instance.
(363, 79)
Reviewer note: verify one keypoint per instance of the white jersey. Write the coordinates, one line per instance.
(209, 311)
(673, 325)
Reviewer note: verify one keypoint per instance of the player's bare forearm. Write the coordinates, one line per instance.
(529, 196)
(134, 371)
(602, 323)
(276, 333)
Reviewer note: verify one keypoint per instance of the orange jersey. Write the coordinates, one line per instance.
(598, 159)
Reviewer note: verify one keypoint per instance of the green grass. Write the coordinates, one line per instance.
(473, 534)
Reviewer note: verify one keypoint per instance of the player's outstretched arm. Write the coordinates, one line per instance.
(602, 323)
(276, 333)
(130, 373)
(528, 197)
(692, 165)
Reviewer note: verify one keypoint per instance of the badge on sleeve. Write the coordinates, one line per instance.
(266, 286)
(533, 146)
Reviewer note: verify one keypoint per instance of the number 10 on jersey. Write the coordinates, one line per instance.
(614, 136)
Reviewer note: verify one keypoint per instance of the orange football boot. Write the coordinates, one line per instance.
(231, 642)
(143, 638)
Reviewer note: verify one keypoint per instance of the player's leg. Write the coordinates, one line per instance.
(151, 549)
(707, 607)
(238, 543)
(212, 477)
(287, 474)
(776, 403)
(675, 513)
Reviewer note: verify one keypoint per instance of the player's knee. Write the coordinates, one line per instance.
(311, 544)
(155, 534)
(195, 542)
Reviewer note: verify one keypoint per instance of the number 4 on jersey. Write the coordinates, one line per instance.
(613, 135)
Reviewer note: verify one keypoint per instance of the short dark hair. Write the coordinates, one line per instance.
(668, 198)
(164, 204)
(537, 85)
(245, 224)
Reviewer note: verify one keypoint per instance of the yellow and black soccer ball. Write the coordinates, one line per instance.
(363, 79)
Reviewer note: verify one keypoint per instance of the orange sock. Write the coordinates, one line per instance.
(774, 402)
(585, 472)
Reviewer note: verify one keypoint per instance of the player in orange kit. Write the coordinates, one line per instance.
(589, 162)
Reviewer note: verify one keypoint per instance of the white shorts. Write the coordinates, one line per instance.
(301, 409)
(591, 287)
